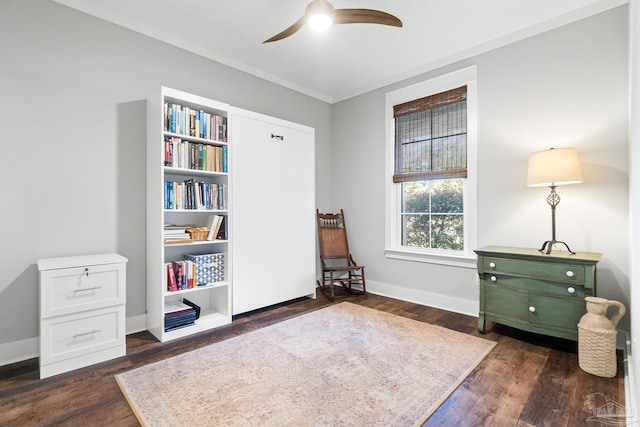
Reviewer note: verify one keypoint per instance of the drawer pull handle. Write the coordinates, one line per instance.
(492, 264)
(82, 334)
(571, 290)
(87, 289)
(86, 271)
(569, 273)
(494, 279)
(532, 309)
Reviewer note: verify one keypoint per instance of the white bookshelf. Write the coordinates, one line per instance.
(214, 298)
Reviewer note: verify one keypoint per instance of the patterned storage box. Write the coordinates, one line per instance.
(209, 268)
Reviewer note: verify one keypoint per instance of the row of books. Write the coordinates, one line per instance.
(179, 314)
(179, 153)
(194, 271)
(181, 275)
(191, 122)
(216, 226)
(192, 194)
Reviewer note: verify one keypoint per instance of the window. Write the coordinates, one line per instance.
(432, 214)
(431, 155)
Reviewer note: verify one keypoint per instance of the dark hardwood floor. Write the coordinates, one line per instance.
(527, 380)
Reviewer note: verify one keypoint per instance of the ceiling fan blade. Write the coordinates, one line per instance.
(365, 16)
(289, 31)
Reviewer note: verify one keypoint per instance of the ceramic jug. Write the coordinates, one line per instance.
(597, 337)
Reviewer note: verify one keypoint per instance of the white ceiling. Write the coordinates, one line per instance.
(347, 60)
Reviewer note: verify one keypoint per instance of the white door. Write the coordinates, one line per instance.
(273, 226)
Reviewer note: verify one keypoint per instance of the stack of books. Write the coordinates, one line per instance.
(178, 315)
(176, 233)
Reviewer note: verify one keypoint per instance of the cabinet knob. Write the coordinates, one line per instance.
(532, 309)
(494, 279)
(571, 290)
(569, 273)
(492, 264)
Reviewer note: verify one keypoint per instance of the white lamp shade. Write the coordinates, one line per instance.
(320, 14)
(557, 166)
(320, 22)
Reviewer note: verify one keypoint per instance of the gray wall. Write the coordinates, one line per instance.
(73, 110)
(564, 88)
(73, 121)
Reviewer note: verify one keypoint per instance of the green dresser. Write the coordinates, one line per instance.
(530, 290)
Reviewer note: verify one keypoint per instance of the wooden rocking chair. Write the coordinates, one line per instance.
(338, 265)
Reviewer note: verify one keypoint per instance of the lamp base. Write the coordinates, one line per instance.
(549, 245)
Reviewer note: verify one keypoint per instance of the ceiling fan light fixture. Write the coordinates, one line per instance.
(320, 14)
(320, 22)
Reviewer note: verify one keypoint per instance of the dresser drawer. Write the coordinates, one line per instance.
(556, 312)
(534, 309)
(508, 303)
(535, 285)
(74, 335)
(561, 272)
(70, 290)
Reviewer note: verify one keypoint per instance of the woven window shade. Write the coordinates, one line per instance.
(431, 137)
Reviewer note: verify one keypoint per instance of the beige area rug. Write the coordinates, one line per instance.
(344, 365)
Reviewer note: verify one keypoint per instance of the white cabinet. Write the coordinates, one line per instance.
(187, 184)
(274, 229)
(82, 311)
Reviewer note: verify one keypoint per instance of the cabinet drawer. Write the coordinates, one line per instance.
(535, 309)
(557, 312)
(74, 335)
(562, 272)
(506, 302)
(539, 286)
(70, 290)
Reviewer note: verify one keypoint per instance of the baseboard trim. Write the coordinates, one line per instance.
(630, 387)
(136, 324)
(430, 299)
(17, 351)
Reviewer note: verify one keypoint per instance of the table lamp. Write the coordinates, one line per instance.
(551, 168)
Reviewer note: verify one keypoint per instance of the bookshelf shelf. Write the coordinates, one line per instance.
(197, 289)
(197, 243)
(187, 186)
(219, 211)
(208, 320)
(191, 172)
(195, 138)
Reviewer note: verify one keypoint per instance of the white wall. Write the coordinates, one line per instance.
(72, 105)
(564, 88)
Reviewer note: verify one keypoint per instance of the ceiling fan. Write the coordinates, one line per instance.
(320, 15)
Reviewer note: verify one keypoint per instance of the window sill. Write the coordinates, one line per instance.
(463, 260)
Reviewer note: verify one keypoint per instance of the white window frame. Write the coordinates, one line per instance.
(393, 194)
